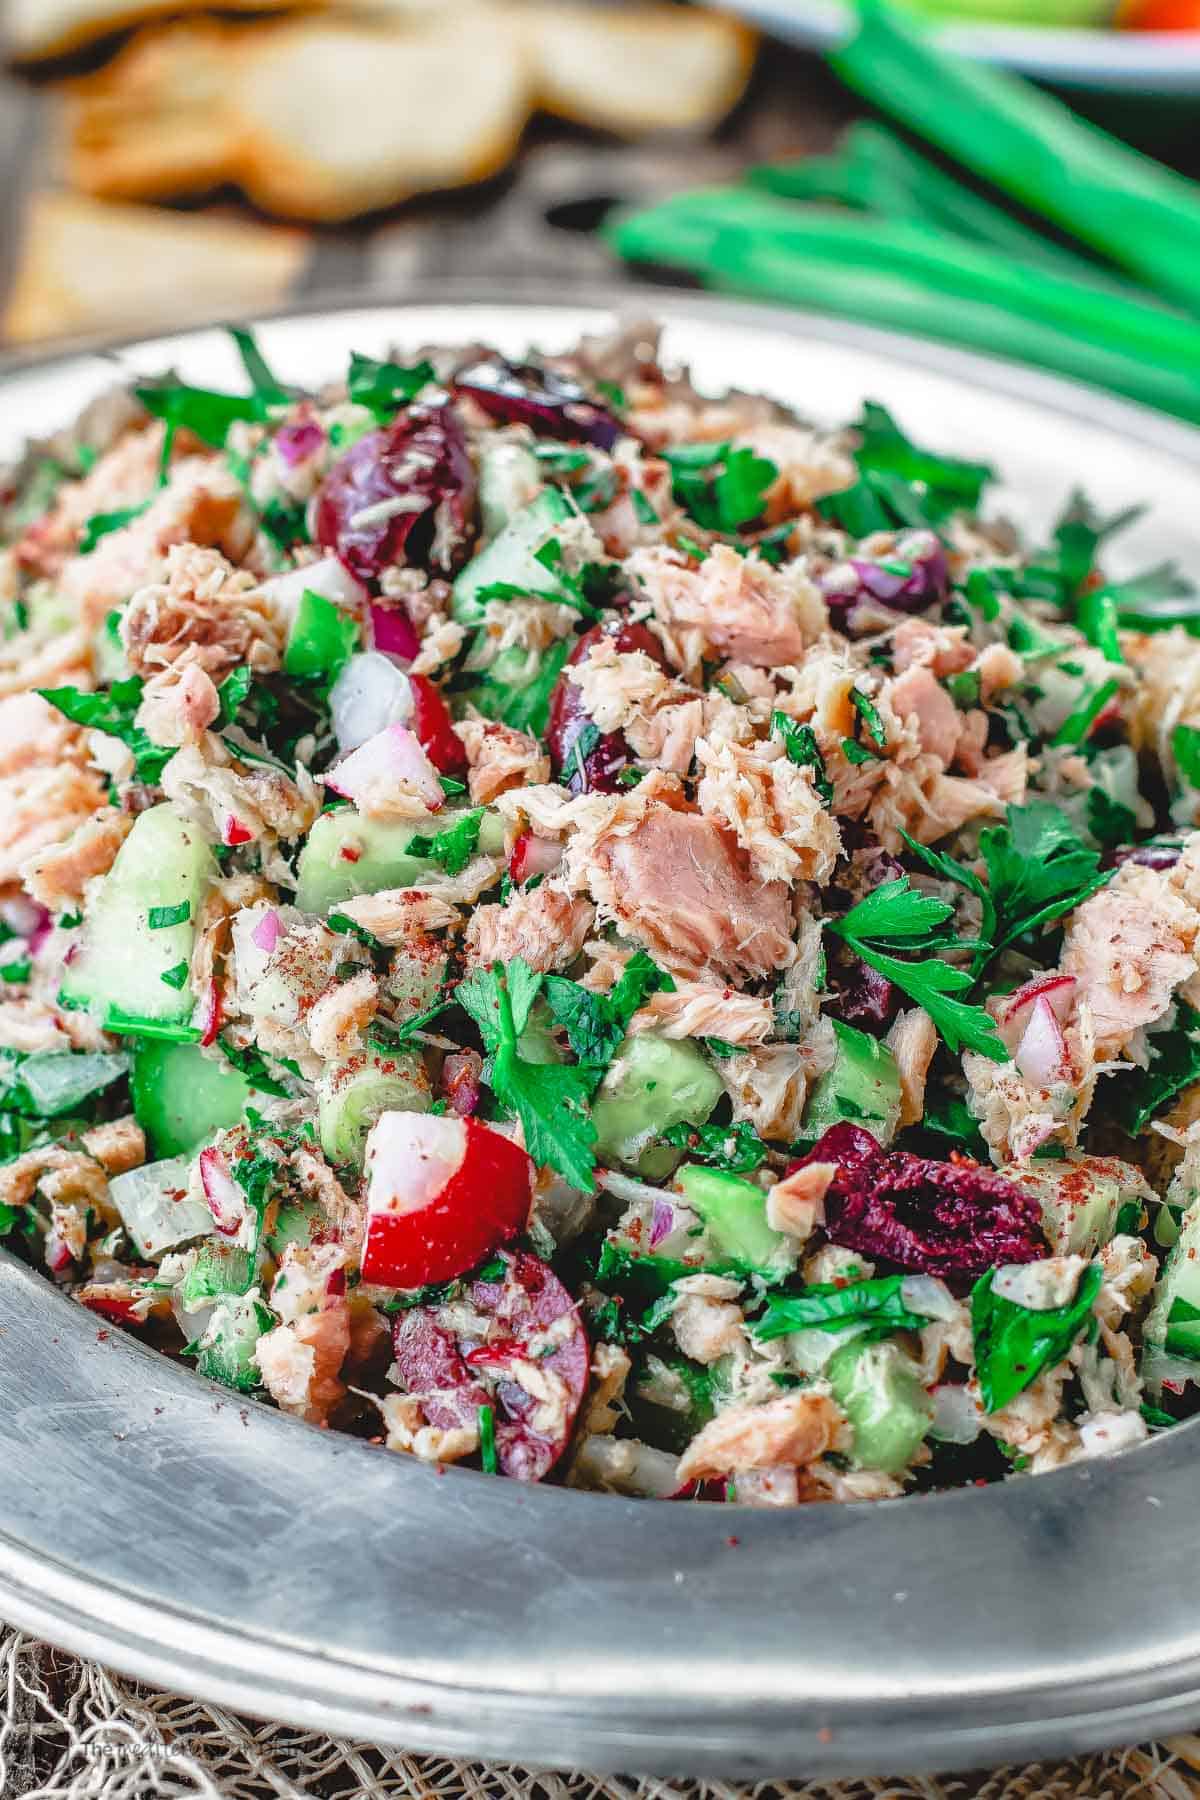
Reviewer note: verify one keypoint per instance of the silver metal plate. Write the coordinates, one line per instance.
(156, 1522)
(1132, 62)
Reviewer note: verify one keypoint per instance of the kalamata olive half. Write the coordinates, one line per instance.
(533, 1336)
(550, 403)
(587, 760)
(404, 493)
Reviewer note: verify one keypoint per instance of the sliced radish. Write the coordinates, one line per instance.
(388, 764)
(432, 724)
(1014, 1010)
(533, 856)
(1041, 1055)
(443, 1193)
(226, 1202)
(234, 833)
(266, 932)
(207, 1018)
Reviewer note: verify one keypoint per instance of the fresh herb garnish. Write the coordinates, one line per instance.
(550, 1099)
(159, 917)
(737, 1148)
(897, 918)
(721, 488)
(454, 847)
(176, 977)
(1013, 1344)
(596, 1024)
(100, 525)
(1174, 1065)
(868, 712)
(384, 387)
(251, 1063)
(112, 712)
(1038, 869)
(1110, 821)
(802, 749)
(826, 1307)
(487, 1440)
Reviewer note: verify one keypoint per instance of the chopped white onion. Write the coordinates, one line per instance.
(391, 761)
(1041, 1055)
(926, 1295)
(329, 578)
(956, 1415)
(371, 693)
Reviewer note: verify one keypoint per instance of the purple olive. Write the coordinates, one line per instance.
(601, 755)
(404, 493)
(551, 404)
(455, 1373)
(932, 1218)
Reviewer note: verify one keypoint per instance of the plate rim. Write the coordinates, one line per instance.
(554, 1728)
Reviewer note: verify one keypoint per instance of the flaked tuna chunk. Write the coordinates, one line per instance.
(545, 926)
(680, 885)
(1129, 947)
(735, 605)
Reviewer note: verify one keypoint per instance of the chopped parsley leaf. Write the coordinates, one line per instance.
(802, 749)
(453, 848)
(159, 917)
(1013, 1344)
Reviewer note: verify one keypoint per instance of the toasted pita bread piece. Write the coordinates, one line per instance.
(340, 119)
(654, 68)
(89, 268)
(34, 29)
(156, 122)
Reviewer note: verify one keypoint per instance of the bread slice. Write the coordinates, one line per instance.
(631, 71)
(340, 119)
(155, 123)
(90, 268)
(34, 29)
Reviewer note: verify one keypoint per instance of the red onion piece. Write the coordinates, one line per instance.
(266, 932)
(393, 632)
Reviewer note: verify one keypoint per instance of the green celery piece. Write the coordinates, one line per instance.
(876, 171)
(1142, 215)
(957, 270)
(737, 262)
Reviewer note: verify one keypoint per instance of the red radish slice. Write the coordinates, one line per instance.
(442, 1194)
(234, 833)
(533, 1334)
(431, 722)
(266, 932)
(226, 1201)
(1016, 1008)
(208, 1014)
(533, 856)
(1041, 1055)
(392, 760)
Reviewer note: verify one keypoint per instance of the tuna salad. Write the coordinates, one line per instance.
(557, 923)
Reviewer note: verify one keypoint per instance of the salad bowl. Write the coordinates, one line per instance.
(195, 1539)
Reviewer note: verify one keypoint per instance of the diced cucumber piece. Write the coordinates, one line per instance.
(735, 1216)
(1173, 1326)
(56, 1082)
(127, 968)
(510, 476)
(298, 1222)
(510, 558)
(345, 854)
(353, 1094)
(879, 1388)
(182, 1098)
(415, 982)
(652, 1082)
(321, 639)
(863, 1085)
(155, 1207)
(517, 694)
(1080, 1199)
(217, 1271)
(226, 1351)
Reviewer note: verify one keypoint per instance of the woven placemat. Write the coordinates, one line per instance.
(70, 1730)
